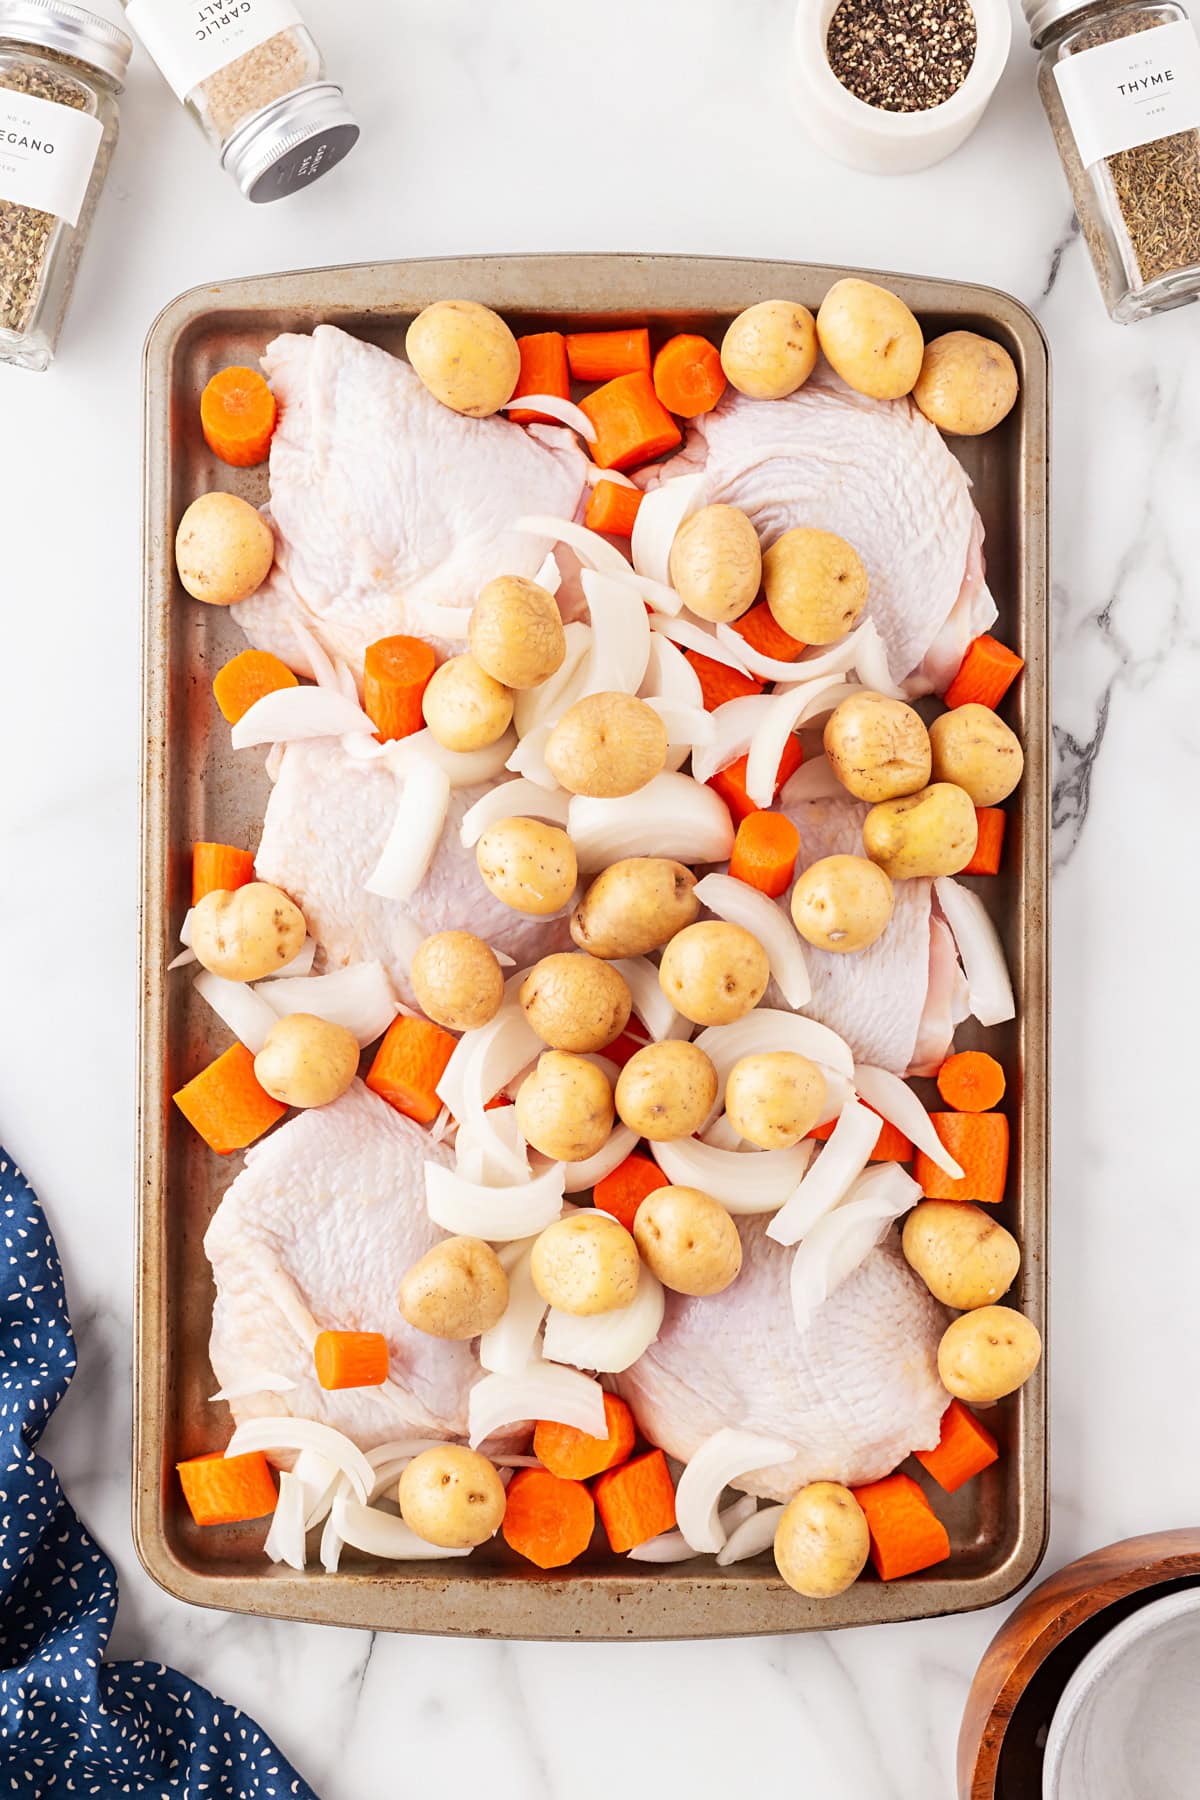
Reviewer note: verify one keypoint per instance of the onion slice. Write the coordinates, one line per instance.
(359, 997)
(650, 1004)
(751, 1536)
(672, 1546)
(722, 1458)
(836, 659)
(671, 816)
(497, 1157)
(306, 1434)
(465, 768)
(511, 1343)
(671, 677)
(758, 914)
(813, 780)
(563, 410)
(871, 662)
(519, 799)
(691, 636)
(769, 1028)
(744, 1181)
(895, 1101)
(686, 726)
(734, 726)
(380, 1534)
(482, 1062)
(594, 475)
(541, 1391)
(659, 517)
(841, 1162)
(321, 1481)
(416, 831)
(620, 636)
(285, 1539)
(331, 1547)
(497, 1214)
(787, 710)
(264, 1381)
(580, 1176)
(844, 1238)
(290, 714)
(979, 946)
(593, 551)
(244, 1011)
(608, 1342)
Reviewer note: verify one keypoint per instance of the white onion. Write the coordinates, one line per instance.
(979, 946)
(380, 1534)
(300, 964)
(549, 575)
(451, 622)
(264, 1381)
(758, 914)
(496, 1158)
(787, 710)
(528, 760)
(321, 1480)
(517, 799)
(290, 714)
(594, 475)
(694, 637)
(593, 551)
(620, 637)
(734, 725)
(582, 1175)
(402, 1450)
(670, 676)
(541, 1391)
(722, 1458)
(495, 1213)
(813, 780)
(744, 1182)
(247, 1015)
(650, 1004)
(565, 411)
(844, 1238)
(287, 1297)
(415, 833)
(464, 768)
(511, 1343)
(721, 1135)
(534, 706)
(871, 662)
(320, 663)
(359, 997)
(183, 960)
(836, 659)
(608, 1342)
(895, 1101)
(672, 1546)
(841, 1162)
(185, 930)
(671, 816)
(484, 1061)
(659, 517)
(837, 1092)
(305, 1434)
(753, 1534)
(331, 1547)
(686, 726)
(285, 1539)
(768, 1028)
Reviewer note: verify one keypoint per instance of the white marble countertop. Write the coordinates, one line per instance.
(647, 125)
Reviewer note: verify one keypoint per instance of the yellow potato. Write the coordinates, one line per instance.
(248, 933)
(988, 1353)
(931, 833)
(714, 973)
(878, 748)
(774, 1099)
(635, 906)
(528, 865)
(688, 1240)
(585, 1264)
(842, 903)
(307, 1061)
(963, 1256)
(516, 632)
(770, 349)
(565, 1107)
(821, 1540)
(977, 751)
(223, 549)
(967, 383)
(456, 1290)
(666, 1090)
(452, 1497)
(871, 338)
(716, 563)
(815, 584)
(464, 708)
(575, 1002)
(457, 980)
(466, 356)
(607, 746)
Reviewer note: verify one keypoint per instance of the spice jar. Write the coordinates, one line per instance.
(1120, 83)
(250, 73)
(61, 69)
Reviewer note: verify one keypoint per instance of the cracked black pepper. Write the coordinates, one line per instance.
(902, 56)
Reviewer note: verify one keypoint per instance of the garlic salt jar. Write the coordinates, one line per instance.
(251, 75)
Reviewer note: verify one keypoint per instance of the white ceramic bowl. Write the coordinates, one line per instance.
(1128, 1724)
(887, 143)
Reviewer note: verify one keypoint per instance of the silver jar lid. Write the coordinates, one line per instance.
(291, 143)
(1040, 15)
(55, 25)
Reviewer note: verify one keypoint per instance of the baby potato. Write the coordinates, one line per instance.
(465, 355)
(716, 563)
(967, 383)
(635, 906)
(963, 1256)
(930, 833)
(774, 1099)
(452, 1497)
(456, 1290)
(585, 1264)
(988, 1353)
(815, 584)
(606, 746)
(821, 1540)
(516, 632)
(457, 980)
(688, 1240)
(842, 903)
(248, 933)
(666, 1090)
(770, 349)
(224, 549)
(565, 1107)
(714, 973)
(878, 748)
(307, 1061)
(575, 1002)
(464, 707)
(977, 751)
(871, 338)
(528, 865)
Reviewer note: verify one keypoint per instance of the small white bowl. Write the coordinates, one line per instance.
(1128, 1724)
(889, 143)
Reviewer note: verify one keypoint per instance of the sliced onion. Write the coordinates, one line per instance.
(620, 636)
(320, 663)
(813, 780)
(185, 930)
(300, 964)
(768, 1028)
(264, 1381)
(594, 475)
(534, 706)
(477, 1160)
(416, 831)
(381, 1534)
(331, 1547)
(895, 1101)
(721, 1135)
(844, 1238)
(511, 1344)
(497, 1214)
(734, 726)
(835, 660)
(287, 1297)
(290, 714)
(360, 997)
(751, 1536)
(694, 637)
(579, 1176)
(593, 551)
(607, 1342)
(518, 799)
(672, 1546)
(758, 914)
(786, 710)
(837, 1092)
(465, 768)
(305, 1434)
(979, 946)
(841, 1162)
(482, 1062)
(686, 726)
(565, 411)
(182, 961)
(285, 1539)
(247, 1015)
(321, 1480)
(650, 1004)
(402, 1450)
(722, 1458)
(549, 575)
(871, 662)
(541, 1391)
(671, 816)
(452, 622)
(744, 1182)
(671, 677)
(659, 517)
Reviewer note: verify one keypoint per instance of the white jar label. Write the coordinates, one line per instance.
(47, 154)
(1133, 91)
(191, 39)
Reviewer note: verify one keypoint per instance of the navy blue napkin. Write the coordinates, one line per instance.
(70, 1723)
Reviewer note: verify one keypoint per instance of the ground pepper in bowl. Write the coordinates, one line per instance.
(902, 56)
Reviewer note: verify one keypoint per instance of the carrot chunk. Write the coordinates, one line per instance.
(396, 672)
(224, 1490)
(245, 678)
(971, 1082)
(225, 1103)
(351, 1359)
(730, 783)
(964, 1449)
(237, 417)
(622, 1192)
(600, 355)
(985, 674)
(890, 1146)
(989, 846)
(906, 1534)
(637, 1501)
(978, 1142)
(547, 1520)
(632, 424)
(719, 683)
(408, 1065)
(688, 377)
(543, 371)
(622, 1048)
(765, 851)
(613, 509)
(763, 633)
(219, 868)
(574, 1456)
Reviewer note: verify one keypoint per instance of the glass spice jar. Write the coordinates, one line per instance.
(252, 76)
(61, 70)
(1120, 83)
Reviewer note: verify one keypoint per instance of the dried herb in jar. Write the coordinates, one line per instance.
(26, 234)
(902, 56)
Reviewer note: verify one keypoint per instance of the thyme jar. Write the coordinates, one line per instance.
(61, 70)
(1120, 83)
(251, 75)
